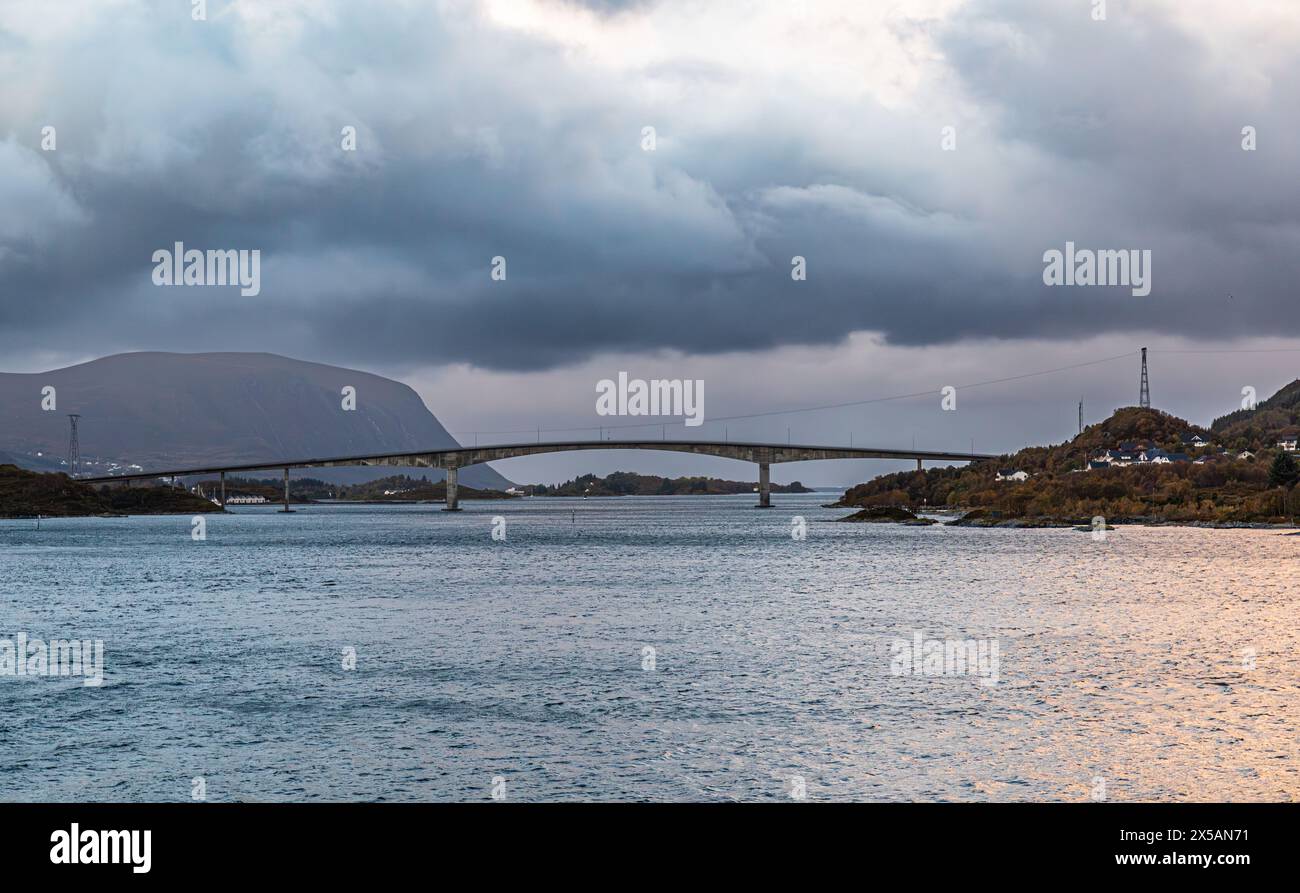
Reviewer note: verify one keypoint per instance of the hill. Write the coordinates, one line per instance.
(26, 494)
(167, 409)
(1224, 490)
(1268, 422)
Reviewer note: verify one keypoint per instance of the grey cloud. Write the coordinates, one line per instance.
(479, 142)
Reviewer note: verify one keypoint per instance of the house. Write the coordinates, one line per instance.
(1012, 474)
(1095, 465)
(1245, 454)
(1110, 457)
(1154, 455)
(1195, 441)
(1288, 444)
(1178, 457)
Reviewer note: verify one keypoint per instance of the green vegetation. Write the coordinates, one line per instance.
(1283, 472)
(1263, 426)
(627, 483)
(404, 488)
(395, 488)
(1225, 490)
(26, 494)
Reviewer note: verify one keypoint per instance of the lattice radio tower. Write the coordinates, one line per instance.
(74, 447)
(1144, 398)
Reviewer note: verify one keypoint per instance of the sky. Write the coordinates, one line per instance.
(919, 155)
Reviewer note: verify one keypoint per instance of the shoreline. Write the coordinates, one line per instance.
(959, 518)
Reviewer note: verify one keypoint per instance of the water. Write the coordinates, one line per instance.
(1120, 660)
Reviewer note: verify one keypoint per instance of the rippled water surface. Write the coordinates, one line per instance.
(1123, 660)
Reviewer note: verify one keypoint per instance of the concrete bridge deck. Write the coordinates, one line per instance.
(451, 460)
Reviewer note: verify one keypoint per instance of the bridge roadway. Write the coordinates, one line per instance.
(452, 460)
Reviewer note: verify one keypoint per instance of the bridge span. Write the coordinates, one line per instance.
(452, 460)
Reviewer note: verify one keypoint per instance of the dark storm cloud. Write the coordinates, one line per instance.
(478, 140)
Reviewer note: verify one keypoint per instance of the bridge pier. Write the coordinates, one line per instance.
(918, 464)
(223, 491)
(286, 491)
(764, 486)
(453, 487)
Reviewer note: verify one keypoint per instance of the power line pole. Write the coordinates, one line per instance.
(74, 446)
(1080, 416)
(1144, 398)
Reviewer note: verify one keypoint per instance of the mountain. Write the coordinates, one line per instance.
(1265, 424)
(159, 410)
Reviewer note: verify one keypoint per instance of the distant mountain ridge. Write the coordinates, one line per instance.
(159, 410)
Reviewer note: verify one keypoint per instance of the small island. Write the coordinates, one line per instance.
(627, 483)
(887, 514)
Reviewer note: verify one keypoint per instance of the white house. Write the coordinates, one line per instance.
(1288, 444)
(1245, 454)
(1011, 474)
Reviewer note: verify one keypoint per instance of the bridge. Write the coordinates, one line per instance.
(452, 460)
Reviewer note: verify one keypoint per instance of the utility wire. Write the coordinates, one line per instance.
(851, 403)
(1234, 350)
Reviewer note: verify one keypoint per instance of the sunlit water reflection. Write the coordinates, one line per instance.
(1123, 660)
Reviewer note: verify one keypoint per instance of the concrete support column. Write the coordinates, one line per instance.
(286, 491)
(223, 491)
(453, 486)
(918, 464)
(764, 486)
